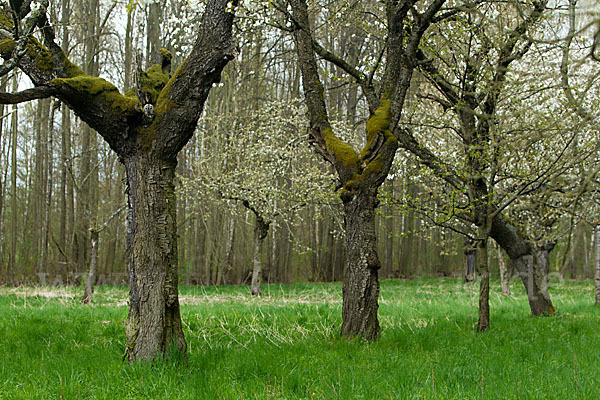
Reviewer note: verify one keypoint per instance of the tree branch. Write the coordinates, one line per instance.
(40, 92)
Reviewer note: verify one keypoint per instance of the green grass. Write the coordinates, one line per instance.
(285, 345)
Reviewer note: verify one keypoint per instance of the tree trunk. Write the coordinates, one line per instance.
(261, 230)
(504, 274)
(154, 324)
(521, 254)
(543, 262)
(470, 260)
(91, 278)
(483, 323)
(597, 263)
(361, 281)
(226, 278)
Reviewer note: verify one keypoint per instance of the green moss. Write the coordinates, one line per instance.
(6, 20)
(34, 49)
(153, 81)
(6, 46)
(164, 103)
(72, 70)
(377, 123)
(380, 120)
(166, 54)
(343, 152)
(105, 91)
(41, 55)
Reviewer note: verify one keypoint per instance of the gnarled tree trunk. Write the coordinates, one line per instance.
(154, 324)
(361, 281)
(147, 132)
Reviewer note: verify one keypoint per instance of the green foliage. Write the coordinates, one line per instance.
(285, 345)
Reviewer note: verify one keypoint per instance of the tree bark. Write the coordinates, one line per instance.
(361, 281)
(543, 262)
(154, 323)
(522, 257)
(261, 229)
(91, 278)
(483, 323)
(470, 253)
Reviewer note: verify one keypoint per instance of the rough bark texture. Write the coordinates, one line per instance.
(154, 323)
(483, 323)
(522, 257)
(361, 281)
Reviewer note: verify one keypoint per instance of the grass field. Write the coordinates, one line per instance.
(285, 345)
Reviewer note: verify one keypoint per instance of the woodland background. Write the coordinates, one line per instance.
(59, 181)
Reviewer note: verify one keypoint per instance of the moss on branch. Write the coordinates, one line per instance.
(379, 137)
(99, 89)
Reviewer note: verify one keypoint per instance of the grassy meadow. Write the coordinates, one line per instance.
(285, 345)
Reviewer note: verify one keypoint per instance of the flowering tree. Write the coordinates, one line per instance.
(259, 159)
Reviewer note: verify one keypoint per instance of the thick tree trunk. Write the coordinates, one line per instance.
(361, 281)
(91, 278)
(522, 257)
(261, 230)
(504, 274)
(154, 325)
(597, 263)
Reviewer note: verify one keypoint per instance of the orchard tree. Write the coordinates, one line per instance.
(469, 73)
(361, 173)
(146, 128)
(253, 160)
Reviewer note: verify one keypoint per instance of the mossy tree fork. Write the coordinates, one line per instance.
(148, 150)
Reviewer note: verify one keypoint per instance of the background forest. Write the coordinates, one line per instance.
(249, 168)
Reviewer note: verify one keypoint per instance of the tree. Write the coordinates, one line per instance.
(147, 138)
(470, 84)
(252, 160)
(361, 173)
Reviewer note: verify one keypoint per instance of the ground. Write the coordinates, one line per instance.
(285, 345)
